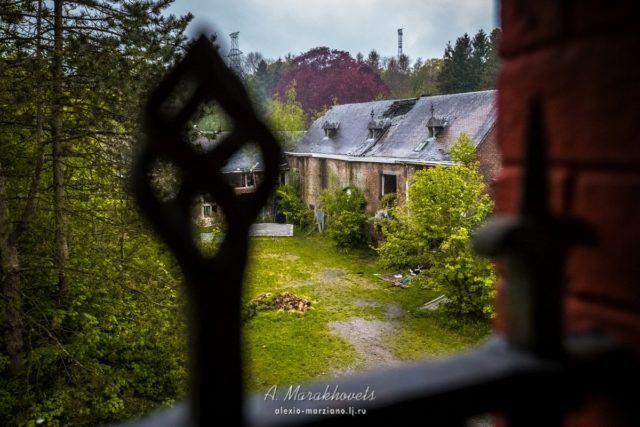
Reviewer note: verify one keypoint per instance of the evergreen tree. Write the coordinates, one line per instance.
(492, 63)
(480, 50)
(456, 70)
(471, 64)
(81, 278)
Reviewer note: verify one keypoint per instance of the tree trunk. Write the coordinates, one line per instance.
(10, 238)
(59, 197)
(10, 274)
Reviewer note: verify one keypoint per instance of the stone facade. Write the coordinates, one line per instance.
(378, 146)
(315, 174)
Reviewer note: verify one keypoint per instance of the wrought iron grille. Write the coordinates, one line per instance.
(505, 376)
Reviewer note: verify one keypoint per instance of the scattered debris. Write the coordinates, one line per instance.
(395, 279)
(280, 302)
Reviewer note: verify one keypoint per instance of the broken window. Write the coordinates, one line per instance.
(436, 124)
(249, 180)
(388, 183)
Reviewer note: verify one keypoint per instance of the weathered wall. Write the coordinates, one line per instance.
(490, 159)
(317, 174)
(578, 58)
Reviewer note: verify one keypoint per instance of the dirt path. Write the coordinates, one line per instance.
(368, 336)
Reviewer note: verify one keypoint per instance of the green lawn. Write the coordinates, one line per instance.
(290, 348)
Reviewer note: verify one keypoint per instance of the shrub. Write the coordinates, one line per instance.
(345, 216)
(293, 207)
(387, 201)
(432, 230)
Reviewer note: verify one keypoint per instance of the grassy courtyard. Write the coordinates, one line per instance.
(357, 321)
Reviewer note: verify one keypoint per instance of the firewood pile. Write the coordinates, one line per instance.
(285, 301)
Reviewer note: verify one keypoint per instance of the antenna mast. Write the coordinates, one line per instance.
(235, 54)
(399, 42)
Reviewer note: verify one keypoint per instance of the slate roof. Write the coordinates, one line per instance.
(406, 128)
(247, 159)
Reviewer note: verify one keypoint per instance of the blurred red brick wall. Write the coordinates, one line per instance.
(581, 58)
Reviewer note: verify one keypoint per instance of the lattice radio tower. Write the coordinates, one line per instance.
(399, 43)
(235, 54)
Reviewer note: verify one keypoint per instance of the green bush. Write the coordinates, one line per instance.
(345, 216)
(432, 230)
(293, 207)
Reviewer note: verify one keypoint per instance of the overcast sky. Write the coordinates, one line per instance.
(277, 27)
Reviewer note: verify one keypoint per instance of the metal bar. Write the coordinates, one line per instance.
(214, 354)
(493, 378)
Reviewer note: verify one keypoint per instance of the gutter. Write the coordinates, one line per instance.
(385, 160)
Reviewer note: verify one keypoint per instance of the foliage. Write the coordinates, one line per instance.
(286, 117)
(389, 200)
(471, 64)
(293, 208)
(211, 120)
(264, 79)
(323, 75)
(373, 60)
(345, 216)
(432, 230)
(425, 77)
(463, 151)
(97, 301)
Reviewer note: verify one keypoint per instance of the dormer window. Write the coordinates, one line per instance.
(330, 129)
(436, 124)
(377, 127)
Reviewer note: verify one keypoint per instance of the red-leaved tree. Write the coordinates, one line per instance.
(324, 77)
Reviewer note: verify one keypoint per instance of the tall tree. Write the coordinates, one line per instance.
(57, 142)
(286, 117)
(456, 70)
(425, 77)
(324, 76)
(263, 81)
(251, 61)
(492, 63)
(373, 60)
(471, 64)
(397, 75)
(76, 264)
(25, 120)
(480, 50)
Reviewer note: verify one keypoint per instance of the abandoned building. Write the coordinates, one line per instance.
(378, 146)
(244, 171)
